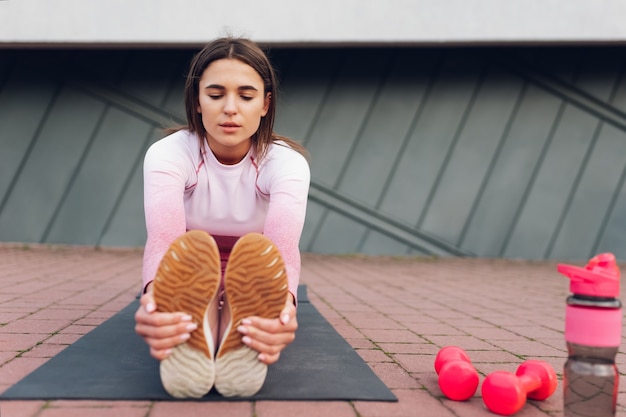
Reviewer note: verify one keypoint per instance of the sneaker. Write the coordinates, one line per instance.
(255, 283)
(187, 280)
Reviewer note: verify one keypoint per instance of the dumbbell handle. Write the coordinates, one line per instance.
(530, 383)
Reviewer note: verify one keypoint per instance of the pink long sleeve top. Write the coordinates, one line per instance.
(187, 188)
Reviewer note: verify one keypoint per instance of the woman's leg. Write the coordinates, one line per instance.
(219, 318)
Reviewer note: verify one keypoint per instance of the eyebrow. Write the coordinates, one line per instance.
(240, 88)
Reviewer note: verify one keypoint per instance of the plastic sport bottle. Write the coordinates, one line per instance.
(593, 325)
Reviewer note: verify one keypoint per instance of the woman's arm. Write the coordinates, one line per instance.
(288, 189)
(288, 184)
(164, 185)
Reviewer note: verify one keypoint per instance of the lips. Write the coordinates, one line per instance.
(230, 127)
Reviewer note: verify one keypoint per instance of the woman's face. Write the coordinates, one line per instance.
(232, 102)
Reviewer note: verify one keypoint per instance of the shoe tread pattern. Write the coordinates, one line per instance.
(256, 285)
(187, 280)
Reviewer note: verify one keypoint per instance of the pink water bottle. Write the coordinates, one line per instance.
(593, 326)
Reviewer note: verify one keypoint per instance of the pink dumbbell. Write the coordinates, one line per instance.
(458, 379)
(505, 393)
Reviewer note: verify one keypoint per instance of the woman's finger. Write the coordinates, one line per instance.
(269, 359)
(161, 319)
(267, 332)
(167, 343)
(268, 354)
(164, 332)
(160, 354)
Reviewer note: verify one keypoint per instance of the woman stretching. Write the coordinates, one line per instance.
(225, 201)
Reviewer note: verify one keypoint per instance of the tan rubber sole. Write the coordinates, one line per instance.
(187, 280)
(256, 285)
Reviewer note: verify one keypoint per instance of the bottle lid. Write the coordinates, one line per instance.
(599, 278)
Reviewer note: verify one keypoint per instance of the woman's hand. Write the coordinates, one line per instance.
(270, 336)
(161, 331)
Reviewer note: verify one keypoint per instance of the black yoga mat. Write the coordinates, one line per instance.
(113, 363)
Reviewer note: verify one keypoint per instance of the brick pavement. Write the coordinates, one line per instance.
(396, 312)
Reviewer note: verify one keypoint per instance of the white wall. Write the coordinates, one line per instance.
(192, 22)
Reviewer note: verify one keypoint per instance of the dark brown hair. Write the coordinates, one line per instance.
(249, 53)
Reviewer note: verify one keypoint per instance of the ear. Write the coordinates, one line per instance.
(266, 105)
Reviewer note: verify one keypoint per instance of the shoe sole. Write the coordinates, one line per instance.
(255, 283)
(187, 280)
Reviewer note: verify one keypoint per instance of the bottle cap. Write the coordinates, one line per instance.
(599, 278)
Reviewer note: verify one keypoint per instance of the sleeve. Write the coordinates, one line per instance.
(164, 187)
(288, 190)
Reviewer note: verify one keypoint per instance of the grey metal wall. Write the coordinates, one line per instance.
(493, 152)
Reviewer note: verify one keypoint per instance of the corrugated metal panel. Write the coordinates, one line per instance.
(497, 152)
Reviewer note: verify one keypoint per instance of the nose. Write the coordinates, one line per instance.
(230, 104)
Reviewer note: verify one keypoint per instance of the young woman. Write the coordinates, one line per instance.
(225, 201)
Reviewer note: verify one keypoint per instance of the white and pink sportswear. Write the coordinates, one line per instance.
(187, 188)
